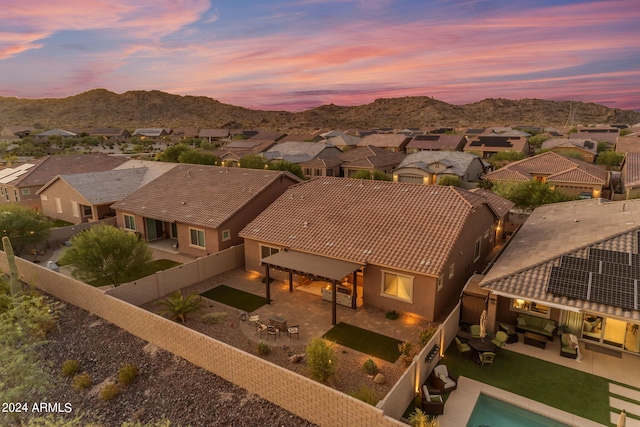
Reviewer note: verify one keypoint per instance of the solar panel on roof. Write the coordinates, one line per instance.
(427, 137)
(583, 264)
(620, 270)
(616, 291)
(638, 242)
(569, 283)
(475, 144)
(610, 256)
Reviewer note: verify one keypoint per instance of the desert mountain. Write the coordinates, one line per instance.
(102, 108)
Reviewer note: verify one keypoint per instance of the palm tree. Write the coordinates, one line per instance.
(175, 305)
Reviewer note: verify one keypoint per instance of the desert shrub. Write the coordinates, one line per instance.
(320, 360)
(127, 374)
(426, 334)
(214, 318)
(392, 315)
(82, 381)
(109, 392)
(407, 352)
(420, 419)
(263, 348)
(369, 367)
(365, 394)
(70, 367)
(177, 306)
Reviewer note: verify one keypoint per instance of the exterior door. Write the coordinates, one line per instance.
(155, 229)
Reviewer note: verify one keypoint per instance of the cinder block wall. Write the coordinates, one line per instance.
(295, 393)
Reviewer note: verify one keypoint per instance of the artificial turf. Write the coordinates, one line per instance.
(569, 390)
(241, 300)
(365, 341)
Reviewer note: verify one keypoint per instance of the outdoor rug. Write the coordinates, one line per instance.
(365, 341)
(241, 300)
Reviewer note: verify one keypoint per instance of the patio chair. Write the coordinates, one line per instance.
(272, 331)
(500, 340)
(442, 380)
(567, 348)
(432, 404)
(293, 330)
(254, 318)
(475, 331)
(260, 328)
(462, 347)
(486, 358)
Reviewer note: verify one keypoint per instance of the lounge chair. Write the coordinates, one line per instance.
(442, 380)
(500, 340)
(475, 331)
(462, 347)
(432, 404)
(567, 348)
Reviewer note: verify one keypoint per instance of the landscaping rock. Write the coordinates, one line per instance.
(379, 379)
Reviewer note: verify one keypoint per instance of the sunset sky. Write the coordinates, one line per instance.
(298, 54)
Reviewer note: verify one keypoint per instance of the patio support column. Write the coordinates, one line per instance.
(290, 281)
(334, 300)
(354, 296)
(268, 280)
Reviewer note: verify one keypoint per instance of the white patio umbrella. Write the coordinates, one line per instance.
(622, 422)
(483, 324)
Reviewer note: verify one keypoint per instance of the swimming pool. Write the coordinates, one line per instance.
(490, 412)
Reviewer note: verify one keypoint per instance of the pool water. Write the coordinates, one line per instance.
(490, 412)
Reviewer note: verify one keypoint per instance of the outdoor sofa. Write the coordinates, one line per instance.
(538, 325)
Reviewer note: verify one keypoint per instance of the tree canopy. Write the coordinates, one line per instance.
(375, 175)
(23, 226)
(530, 194)
(252, 161)
(106, 252)
(610, 158)
(452, 181)
(283, 165)
(198, 158)
(172, 153)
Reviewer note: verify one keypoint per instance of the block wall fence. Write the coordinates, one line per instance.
(300, 395)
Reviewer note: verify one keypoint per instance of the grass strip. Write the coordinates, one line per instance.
(241, 300)
(365, 341)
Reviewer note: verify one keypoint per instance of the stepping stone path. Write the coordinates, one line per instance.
(631, 404)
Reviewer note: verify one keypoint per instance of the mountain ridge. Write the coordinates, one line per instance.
(99, 108)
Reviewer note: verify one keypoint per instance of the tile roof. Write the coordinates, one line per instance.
(300, 137)
(51, 166)
(206, 196)
(404, 226)
(56, 132)
(496, 143)
(273, 136)
(608, 137)
(344, 140)
(153, 169)
(298, 152)
(384, 140)
(370, 157)
(554, 166)
(631, 170)
(628, 144)
(457, 162)
(499, 204)
(568, 228)
(436, 142)
(151, 132)
(588, 145)
(326, 162)
(213, 133)
(103, 187)
(108, 132)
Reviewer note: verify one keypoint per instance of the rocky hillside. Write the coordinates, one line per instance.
(102, 108)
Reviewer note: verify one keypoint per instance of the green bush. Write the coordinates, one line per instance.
(82, 381)
(369, 367)
(109, 392)
(365, 394)
(70, 368)
(127, 374)
(426, 334)
(320, 360)
(407, 352)
(177, 306)
(263, 348)
(420, 419)
(214, 318)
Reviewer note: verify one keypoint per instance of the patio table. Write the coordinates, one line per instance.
(481, 345)
(278, 322)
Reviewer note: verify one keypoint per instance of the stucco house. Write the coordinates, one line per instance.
(586, 149)
(200, 208)
(631, 175)
(110, 133)
(145, 133)
(571, 176)
(21, 183)
(300, 152)
(429, 167)
(391, 142)
(488, 145)
(575, 266)
(436, 142)
(369, 158)
(395, 246)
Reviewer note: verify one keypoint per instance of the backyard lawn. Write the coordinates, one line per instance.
(567, 389)
(365, 341)
(241, 300)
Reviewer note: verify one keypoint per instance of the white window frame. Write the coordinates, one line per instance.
(272, 250)
(58, 205)
(75, 209)
(477, 250)
(197, 244)
(44, 198)
(396, 297)
(131, 223)
(26, 192)
(452, 270)
(15, 195)
(226, 235)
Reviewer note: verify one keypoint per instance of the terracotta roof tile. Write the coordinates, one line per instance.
(51, 166)
(385, 140)
(499, 204)
(200, 195)
(632, 170)
(405, 226)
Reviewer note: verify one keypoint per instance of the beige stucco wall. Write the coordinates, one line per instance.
(574, 189)
(584, 155)
(67, 196)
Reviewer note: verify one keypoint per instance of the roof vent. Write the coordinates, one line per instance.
(576, 220)
(293, 236)
(184, 203)
(329, 244)
(305, 224)
(425, 262)
(367, 251)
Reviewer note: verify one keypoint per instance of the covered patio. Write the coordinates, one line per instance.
(320, 268)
